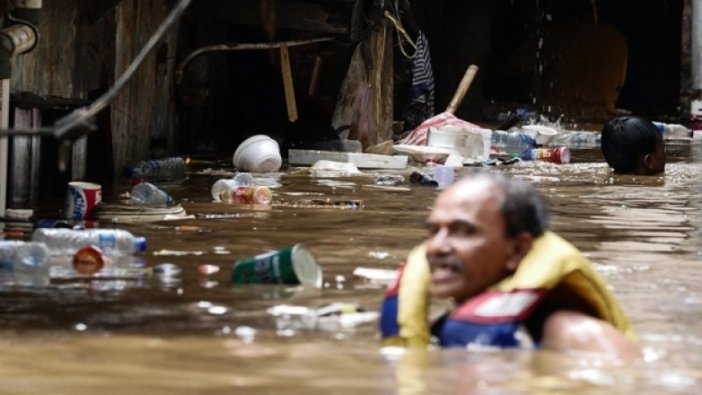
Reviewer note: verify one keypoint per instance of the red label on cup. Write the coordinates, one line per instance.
(81, 199)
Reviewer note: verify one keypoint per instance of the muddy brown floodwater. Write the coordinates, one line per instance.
(134, 331)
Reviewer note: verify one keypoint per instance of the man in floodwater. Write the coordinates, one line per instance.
(514, 283)
(633, 145)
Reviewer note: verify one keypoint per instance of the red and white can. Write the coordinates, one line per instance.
(81, 199)
(247, 195)
(560, 155)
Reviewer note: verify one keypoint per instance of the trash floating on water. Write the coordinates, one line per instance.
(167, 269)
(247, 334)
(389, 181)
(421, 179)
(332, 317)
(165, 252)
(292, 265)
(325, 203)
(378, 254)
(378, 276)
(219, 250)
(231, 215)
(208, 269)
(387, 188)
(327, 168)
(336, 184)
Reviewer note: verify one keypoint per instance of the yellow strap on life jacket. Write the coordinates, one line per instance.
(551, 261)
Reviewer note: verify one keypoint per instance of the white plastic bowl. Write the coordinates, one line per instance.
(258, 154)
(542, 134)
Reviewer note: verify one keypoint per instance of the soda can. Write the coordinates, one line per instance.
(293, 265)
(560, 155)
(247, 195)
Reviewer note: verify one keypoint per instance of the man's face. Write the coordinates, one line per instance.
(658, 157)
(468, 249)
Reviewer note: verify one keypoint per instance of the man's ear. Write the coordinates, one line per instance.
(522, 245)
(648, 161)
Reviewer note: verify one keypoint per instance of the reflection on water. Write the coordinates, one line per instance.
(172, 323)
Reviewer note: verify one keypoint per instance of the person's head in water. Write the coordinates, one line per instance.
(480, 228)
(633, 145)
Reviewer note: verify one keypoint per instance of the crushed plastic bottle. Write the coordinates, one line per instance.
(513, 143)
(24, 264)
(166, 169)
(147, 194)
(227, 184)
(113, 242)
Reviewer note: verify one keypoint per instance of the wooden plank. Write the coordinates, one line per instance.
(362, 161)
(288, 83)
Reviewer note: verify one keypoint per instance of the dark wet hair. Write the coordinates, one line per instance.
(523, 207)
(625, 140)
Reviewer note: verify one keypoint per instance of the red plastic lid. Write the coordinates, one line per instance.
(88, 260)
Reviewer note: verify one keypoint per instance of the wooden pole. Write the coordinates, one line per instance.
(4, 147)
(462, 89)
(288, 83)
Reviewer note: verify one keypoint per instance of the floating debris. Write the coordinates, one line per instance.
(165, 252)
(324, 203)
(219, 250)
(208, 269)
(167, 270)
(389, 181)
(377, 276)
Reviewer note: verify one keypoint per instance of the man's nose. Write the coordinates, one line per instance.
(438, 243)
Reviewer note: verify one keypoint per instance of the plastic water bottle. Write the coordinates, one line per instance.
(227, 184)
(147, 194)
(577, 140)
(113, 242)
(157, 170)
(513, 143)
(24, 264)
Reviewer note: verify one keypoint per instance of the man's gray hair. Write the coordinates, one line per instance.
(523, 207)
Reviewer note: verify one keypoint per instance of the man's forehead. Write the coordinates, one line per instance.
(479, 194)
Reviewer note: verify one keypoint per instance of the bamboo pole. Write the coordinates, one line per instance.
(288, 83)
(462, 89)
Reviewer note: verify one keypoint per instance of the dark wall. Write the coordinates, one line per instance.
(487, 32)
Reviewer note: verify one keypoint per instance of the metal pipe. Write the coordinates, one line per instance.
(18, 39)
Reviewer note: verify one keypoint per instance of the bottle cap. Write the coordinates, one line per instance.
(140, 243)
(88, 260)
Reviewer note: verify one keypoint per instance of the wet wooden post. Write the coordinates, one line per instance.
(4, 123)
(26, 158)
(78, 157)
(696, 38)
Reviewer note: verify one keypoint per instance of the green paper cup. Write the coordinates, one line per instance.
(293, 265)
